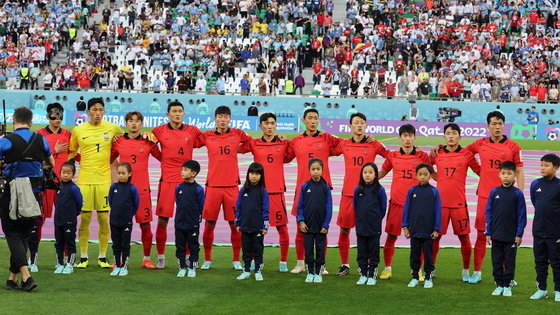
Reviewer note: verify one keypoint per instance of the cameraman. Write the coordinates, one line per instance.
(23, 153)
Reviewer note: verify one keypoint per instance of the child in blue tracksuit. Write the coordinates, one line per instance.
(421, 223)
(251, 219)
(68, 208)
(124, 200)
(189, 197)
(314, 214)
(370, 206)
(545, 196)
(506, 218)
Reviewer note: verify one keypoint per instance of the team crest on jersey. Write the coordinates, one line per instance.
(231, 139)
(459, 161)
(503, 155)
(187, 139)
(319, 146)
(106, 136)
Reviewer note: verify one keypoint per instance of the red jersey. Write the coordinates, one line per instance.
(452, 168)
(357, 154)
(136, 152)
(176, 148)
(404, 172)
(304, 147)
(491, 155)
(272, 156)
(62, 137)
(223, 170)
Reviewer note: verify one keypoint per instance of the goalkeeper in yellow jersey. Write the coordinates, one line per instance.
(93, 140)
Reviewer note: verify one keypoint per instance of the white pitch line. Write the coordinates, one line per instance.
(389, 139)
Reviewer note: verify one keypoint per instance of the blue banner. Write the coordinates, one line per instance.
(548, 132)
(39, 117)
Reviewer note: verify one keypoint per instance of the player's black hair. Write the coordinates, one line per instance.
(310, 110)
(407, 128)
(508, 166)
(453, 126)
(172, 104)
(264, 117)
(95, 100)
(551, 158)
(495, 114)
(426, 166)
(254, 168)
(23, 115)
(359, 115)
(376, 184)
(193, 166)
(222, 110)
(128, 169)
(138, 114)
(71, 165)
(55, 105)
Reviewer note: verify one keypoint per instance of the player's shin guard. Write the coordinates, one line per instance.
(300, 248)
(147, 237)
(479, 250)
(435, 249)
(161, 238)
(284, 241)
(466, 250)
(208, 240)
(104, 232)
(83, 232)
(389, 250)
(344, 246)
(235, 241)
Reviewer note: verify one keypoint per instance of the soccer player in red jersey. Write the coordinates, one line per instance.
(271, 152)
(311, 144)
(177, 141)
(492, 151)
(222, 181)
(133, 148)
(403, 163)
(453, 162)
(357, 151)
(58, 139)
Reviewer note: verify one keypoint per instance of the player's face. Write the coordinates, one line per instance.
(254, 178)
(187, 173)
(507, 177)
(66, 174)
(134, 124)
(176, 114)
(496, 127)
(268, 126)
(452, 137)
(547, 169)
(407, 139)
(316, 171)
(358, 126)
(96, 113)
(368, 173)
(311, 122)
(123, 174)
(423, 176)
(55, 119)
(222, 121)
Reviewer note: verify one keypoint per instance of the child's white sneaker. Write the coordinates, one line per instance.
(191, 273)
(371, 281)
(182, 272)
(59, 269)
(556, 296)
(115, 271)
(237, 265)
(259, 276)
(310, 277)
(507, 292)
(413, 283)
(318, 279)
(362, 280)
(206, 265)
(428, 284)
(540, 294)
(498, 291)
(123, 272)
(244, 275)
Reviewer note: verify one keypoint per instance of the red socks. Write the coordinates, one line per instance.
(435, 249)
(300, 248)
(208, 240)
(161, 238)
(284, 241)
(479, 250)
(344, 246)
(147, 237)
(389, 250)
(466, 250)
(235, 241)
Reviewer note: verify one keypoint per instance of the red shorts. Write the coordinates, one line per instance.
(393, 225)
(166, 199)
(144, 213)
(49, 199)
(215, 198)
(480, 222)
(277, 210)
(459, 219)
(346, 216)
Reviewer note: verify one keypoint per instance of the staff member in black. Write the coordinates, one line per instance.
(23, 153)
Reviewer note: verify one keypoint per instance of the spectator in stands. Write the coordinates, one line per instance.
(299, 83)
